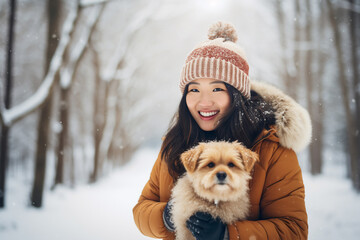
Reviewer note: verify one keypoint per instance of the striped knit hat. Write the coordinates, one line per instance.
(218, 58)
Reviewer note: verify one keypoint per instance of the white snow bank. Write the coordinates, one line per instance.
(91, 212)
(333, 208)
(104, 210)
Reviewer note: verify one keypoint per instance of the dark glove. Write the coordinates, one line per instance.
(167, 217)
(204, 227)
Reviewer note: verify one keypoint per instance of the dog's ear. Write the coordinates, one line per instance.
(249, 157)
(190, 157)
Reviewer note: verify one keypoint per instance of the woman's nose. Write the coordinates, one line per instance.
(205, 100)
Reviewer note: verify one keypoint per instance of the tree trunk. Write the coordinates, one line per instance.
(63, 136)
(100, 96)
(3, 163)
(7, 102)
(67, 77)
(315, 161)
(40, 161)
(318, 106)
(288, 68)
(297, 38)
(351, 129)
(54, 7)
(354, 33)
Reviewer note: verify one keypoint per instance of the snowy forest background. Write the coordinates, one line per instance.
(88, 88)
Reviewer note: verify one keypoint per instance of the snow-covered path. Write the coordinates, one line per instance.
(104, 210)
(90, 212)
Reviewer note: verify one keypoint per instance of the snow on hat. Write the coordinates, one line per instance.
(219, 58)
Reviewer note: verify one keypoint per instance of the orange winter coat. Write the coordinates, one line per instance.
(276, 196)
(276, 188)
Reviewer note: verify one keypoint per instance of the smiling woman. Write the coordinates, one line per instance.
(208, 101)
(219, 104)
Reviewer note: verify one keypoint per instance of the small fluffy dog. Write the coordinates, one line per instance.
(216, 182)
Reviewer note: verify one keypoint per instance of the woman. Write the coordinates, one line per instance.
(219, 103)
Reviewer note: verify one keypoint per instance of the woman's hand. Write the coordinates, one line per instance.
(204, 227)
(167, 217)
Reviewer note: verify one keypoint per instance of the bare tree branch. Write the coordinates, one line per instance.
(348, 6)
(110, 74)
(128, 71)
(67, 73)
(9, 116)
(88, 3)
(137, 22)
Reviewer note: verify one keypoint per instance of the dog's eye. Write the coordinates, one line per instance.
(211, 165)
(230, 165)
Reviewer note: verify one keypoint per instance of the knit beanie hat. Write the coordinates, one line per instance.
(218, 58)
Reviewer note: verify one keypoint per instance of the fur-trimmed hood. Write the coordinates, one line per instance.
(293, 124)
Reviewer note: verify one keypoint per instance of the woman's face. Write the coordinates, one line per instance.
(208, 101)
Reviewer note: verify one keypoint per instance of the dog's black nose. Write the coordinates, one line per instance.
(221, 176)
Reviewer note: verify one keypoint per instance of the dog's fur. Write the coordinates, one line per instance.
(201, 187)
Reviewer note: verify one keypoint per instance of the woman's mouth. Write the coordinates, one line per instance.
(208, 115)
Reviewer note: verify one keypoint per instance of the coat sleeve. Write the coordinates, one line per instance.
(148, 211)
(282, 205)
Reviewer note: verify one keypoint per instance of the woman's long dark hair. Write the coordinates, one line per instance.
(243, 122)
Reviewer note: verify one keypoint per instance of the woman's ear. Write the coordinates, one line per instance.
(190, 158)
(249, 158)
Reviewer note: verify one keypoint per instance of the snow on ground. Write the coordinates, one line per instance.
(90, 212)
(104, 210)
(333, 208)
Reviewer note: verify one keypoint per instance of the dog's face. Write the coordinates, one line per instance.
(219, 171)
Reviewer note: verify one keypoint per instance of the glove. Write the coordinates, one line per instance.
(204, 227)
(167, 217)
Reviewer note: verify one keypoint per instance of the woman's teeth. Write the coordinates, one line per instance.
(208, 114)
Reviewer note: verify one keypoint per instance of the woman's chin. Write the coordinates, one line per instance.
(207, 125)
(207, 128)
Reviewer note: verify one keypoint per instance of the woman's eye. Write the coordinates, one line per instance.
(193, 90)
(230, 165)
(218, 89)
(211, 165)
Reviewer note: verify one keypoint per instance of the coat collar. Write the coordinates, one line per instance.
(293, 124)
(266, 134)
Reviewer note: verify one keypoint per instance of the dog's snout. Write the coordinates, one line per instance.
(221, 176)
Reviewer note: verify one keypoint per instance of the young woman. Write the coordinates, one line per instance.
(219, 103)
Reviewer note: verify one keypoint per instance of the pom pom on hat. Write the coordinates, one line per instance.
(223, 30)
